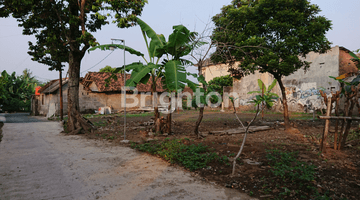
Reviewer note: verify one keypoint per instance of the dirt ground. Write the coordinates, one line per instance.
(337, 172)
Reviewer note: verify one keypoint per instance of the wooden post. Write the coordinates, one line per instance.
(327, 124)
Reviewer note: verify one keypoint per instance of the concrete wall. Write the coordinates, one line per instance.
(317, 76)
(212, 71)
(242, 86)
(302, 88)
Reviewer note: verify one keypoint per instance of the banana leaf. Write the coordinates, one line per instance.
(107, 47)
(261, 85)
(139, 73)
(175, 75)
(272, 85)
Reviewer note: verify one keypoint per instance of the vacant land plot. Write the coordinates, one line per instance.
(274, 164)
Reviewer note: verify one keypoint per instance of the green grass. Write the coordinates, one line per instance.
(266, 112)
(192, 157)
(303, 118)
(285, 165)
(289, 170)
(139, 115)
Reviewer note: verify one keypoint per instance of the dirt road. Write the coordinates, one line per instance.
(38, 162)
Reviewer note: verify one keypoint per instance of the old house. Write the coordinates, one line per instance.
(93, 94)
(302, 87)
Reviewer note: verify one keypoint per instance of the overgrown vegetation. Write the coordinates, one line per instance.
(294, 179)
(192, 157)
(16, 91)
(286, 166)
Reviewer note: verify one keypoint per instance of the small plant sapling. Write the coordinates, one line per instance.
(265, 91)
(266, 100)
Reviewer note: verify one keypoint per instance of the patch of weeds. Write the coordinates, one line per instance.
(224, 160)
(101, 123)
(232, 155)
(318, 196)
(65, 125)
(353, 135)
(104, 135)
(111, 137)
(289, 170)
(138, 115)
(286, 192)
(192, 157)
(251, 193)
(285, 165)
(303, 118)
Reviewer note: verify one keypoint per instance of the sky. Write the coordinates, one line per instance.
(161, 15)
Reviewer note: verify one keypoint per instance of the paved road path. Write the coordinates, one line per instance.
(38, 162)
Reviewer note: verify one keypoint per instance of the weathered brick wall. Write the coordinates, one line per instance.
(345, 62)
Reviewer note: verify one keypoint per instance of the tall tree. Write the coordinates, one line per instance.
(64, 26)
(269, 36)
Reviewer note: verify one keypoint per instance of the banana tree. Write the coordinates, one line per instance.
(265, 92)
(170, 71)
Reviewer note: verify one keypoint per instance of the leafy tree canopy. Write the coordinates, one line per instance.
(64, 26)
(108, 68)
(217, 83)
(16, 91)
(269, 35)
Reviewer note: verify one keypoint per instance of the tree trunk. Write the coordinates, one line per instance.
(201, 114)
(73, 91)
(157, 125)
(348, 126)
(168, 119)
(201, 110)
(284, 101)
